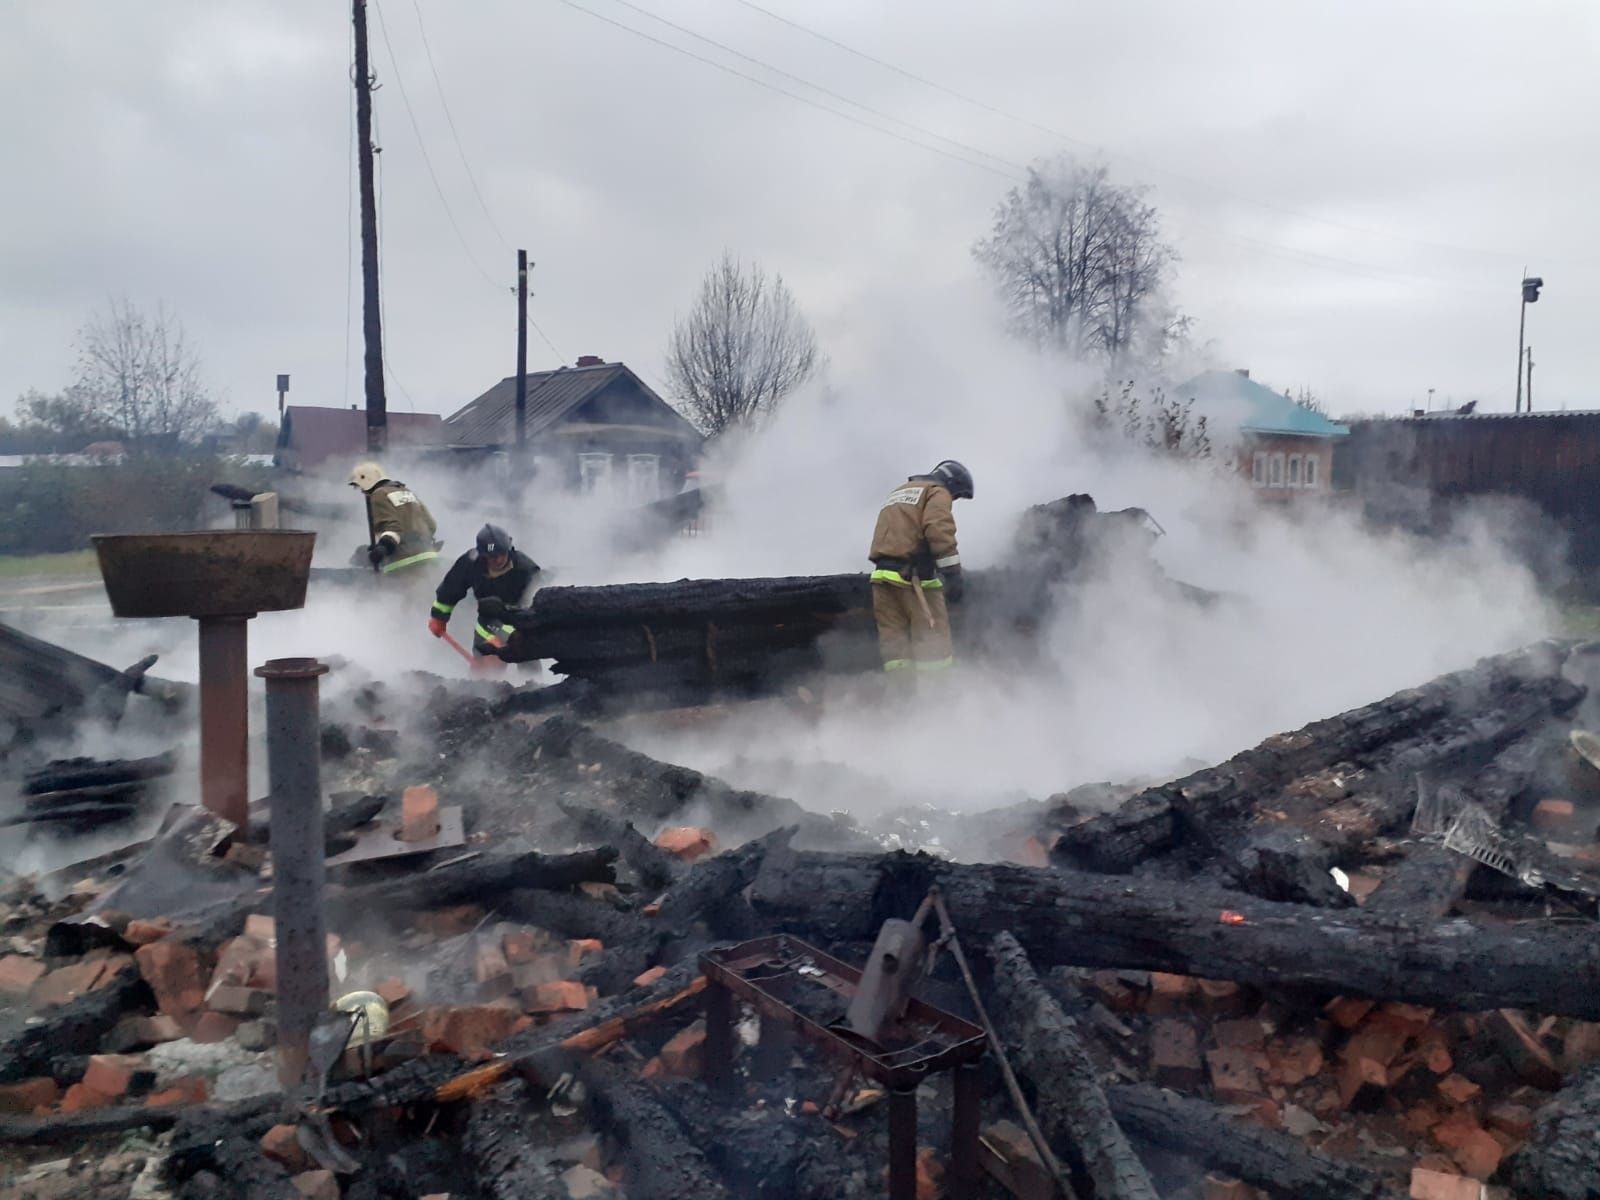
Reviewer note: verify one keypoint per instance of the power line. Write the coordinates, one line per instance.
(1098, 149)
(534, 325)
(422, 146)
(454, 134)
(759, 82)
(1007, 163)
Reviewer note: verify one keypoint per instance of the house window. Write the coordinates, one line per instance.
(1294, 471)
(1309, 479)
(644, 477)
(1275, 471)
(1258, 469)
(594, 472)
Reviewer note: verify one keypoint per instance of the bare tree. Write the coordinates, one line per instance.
(140, 374)
(1164, 426)
(741, 349)
(1307, 399)
(1081, 264)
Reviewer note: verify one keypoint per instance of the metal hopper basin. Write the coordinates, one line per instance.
(211, 573)
(222, 578)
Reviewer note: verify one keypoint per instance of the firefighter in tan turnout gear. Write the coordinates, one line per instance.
(400, 528)
(916, 565)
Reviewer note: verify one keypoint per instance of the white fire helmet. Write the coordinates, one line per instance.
(366, 476)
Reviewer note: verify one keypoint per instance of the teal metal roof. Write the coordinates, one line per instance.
(1230, 398)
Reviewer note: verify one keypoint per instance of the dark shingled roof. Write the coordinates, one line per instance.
(490, 420)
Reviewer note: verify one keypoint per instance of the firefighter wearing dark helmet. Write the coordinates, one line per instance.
(916, 565)
(493, 569)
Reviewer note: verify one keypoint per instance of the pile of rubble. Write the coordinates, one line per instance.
(1357, 960)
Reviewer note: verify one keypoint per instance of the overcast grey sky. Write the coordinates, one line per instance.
(1355, 186)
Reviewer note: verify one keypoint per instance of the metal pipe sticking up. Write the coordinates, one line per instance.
(298, 874)
(225, 718)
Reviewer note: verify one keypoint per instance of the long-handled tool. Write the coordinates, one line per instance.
(458, 647)
(922, 601)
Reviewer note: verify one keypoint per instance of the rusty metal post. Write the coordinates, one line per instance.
(903, 1144)
(719, 1038)
(964, 1130)
(294, 763)
(225, 718)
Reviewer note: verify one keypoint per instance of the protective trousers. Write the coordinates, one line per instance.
(905, 639)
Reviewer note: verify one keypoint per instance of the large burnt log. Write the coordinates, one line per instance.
(1081, 919)
(481, 880)
(1071, 1107)
(74, 1028)
(1562, 1159)
(498, 1138)
(1457, 717)
(1274, 1161)
(661, 1162)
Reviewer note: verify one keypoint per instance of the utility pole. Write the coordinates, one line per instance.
(1530, 294)
(283, 392)
(371, 327)
(522, 354)
(1530, 378)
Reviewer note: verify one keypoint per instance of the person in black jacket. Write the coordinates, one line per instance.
(493, 569)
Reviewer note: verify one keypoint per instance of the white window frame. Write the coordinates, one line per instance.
(1258, 469)
(1291, 477)
(594, 472)
(1275, 471)
(644, 477)
(1308, 476)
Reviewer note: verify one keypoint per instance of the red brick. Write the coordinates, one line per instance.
(564, 995)
(930, 1175)
(65, 984)
(238, 1001)
(1175, 1054)
(1479, 1154)
(651, 1069)
(110, 1074)
(646, 978)
(1513, 1120)
(581, 948)
(1114, 992)
(1458, 1089)
(1219, 1187)
(419, 814)
(1362, 886)
(1552, 815)
(261, 927)
(1347, 1011)
(1361, 1082)
(1378, 1040)
(1435, 1050)
(1440, 1185)
(1455, 1130)
(685, 1054)
(80, 1098)
(1234, 1079)
(142, 933)
(212, 1027)
(393, 991)
(18, 974)
(524, 945)
(1247, 1033)
(1293, 1062)
(1169, 993)
(470, 1030)
(490, 964)
(449, 922)
(281, 1144)
(1223, 997)
(23, 1098)
(687, 842)
(173, 972)
(317, 1185)
(189, 1090)
(1412, 1018)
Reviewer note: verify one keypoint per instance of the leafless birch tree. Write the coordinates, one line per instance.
(141, 376)
(1081, 264)
(742, 348)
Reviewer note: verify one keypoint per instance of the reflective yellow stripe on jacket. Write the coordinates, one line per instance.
(401, 564)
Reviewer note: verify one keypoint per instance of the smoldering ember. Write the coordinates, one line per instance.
(468, 940)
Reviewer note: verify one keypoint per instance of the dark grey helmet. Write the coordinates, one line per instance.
(493, 540)
(956, 478)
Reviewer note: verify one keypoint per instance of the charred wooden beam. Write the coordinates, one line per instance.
(73, 774)
(653, 865)
(74, 1028)
(1075, 918)
(481, 880)
(1561, 1161)
(1270, 1160)
(501, 1145)
(661, 1162)
(1478, 710)
(1071, 1109)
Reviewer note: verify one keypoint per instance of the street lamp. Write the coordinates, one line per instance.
(1530, 293)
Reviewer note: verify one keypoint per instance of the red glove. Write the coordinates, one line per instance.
(436, 626)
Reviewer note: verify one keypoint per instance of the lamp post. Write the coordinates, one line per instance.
(1530, 294)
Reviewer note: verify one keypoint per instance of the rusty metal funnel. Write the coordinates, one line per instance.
(210, 573)
(222, 578)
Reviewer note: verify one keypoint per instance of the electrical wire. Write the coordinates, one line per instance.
(545, 337)
(454, 133)
(427, 161)
(1068, 138)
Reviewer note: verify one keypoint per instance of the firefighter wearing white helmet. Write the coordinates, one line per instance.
(400, 528)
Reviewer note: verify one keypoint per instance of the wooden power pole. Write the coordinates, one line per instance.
(371, 324)
(522, 353)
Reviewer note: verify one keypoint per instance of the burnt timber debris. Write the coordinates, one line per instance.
(1355, 960)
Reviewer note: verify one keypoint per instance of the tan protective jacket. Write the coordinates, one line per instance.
(396, 516)
(916, 531)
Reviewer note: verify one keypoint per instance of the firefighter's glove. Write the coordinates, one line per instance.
(955, 587)
(377, 552)
(436, 627)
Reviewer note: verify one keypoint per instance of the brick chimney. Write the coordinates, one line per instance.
(591, 360)
(1245, 371)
